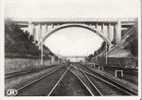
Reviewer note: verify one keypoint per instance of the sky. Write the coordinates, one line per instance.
(72, 41)
(71, 8)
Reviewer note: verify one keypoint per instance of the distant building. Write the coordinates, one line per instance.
(75, 58)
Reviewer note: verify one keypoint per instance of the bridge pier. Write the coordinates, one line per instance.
(104, 30)
(46, 28)
(118, 32)
(109, 34)
(30, 28)
(34, 33)
(37, 34)
(40, 32)
(43, 30)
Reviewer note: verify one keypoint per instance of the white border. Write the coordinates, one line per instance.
(140, 47)
(2, 97)
(2, 48)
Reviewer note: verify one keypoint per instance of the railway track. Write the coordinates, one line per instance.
(107, 82)
(93, 83)
(24, 72)
(55, 86)
(88, 84)
(35, 86)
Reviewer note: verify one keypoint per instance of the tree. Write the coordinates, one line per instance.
(102, 48)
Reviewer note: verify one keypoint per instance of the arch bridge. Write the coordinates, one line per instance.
(109, 29)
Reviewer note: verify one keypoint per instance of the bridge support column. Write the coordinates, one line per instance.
(119, 71)
(102, 28)
(30, 28)
(39, 34)
(43, 30)
(105, 30)
(46, 28)
(109, 32)
(99, 27)
(40, 44)
(34, 33)
(118, 32)
(112, 32)
(50, 27)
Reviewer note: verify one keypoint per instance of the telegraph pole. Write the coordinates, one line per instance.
(106, 53)
(41, 46)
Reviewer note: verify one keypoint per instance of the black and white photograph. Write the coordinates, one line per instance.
(72, 48)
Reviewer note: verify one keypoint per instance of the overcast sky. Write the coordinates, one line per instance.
(72, 41)
(71, 8)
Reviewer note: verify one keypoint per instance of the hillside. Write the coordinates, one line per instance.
(19, 43)
(128, 47)
(124, 53)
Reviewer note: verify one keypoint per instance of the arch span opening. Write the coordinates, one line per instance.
(73, 41)
(78, 25)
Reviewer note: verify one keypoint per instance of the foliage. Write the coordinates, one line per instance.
(18, 42)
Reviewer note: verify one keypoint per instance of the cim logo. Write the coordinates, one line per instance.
(11, 92)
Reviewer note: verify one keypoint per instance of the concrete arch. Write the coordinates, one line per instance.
(77, 25)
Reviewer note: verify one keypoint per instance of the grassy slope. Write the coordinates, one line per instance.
(123, 56)
(18, 43)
